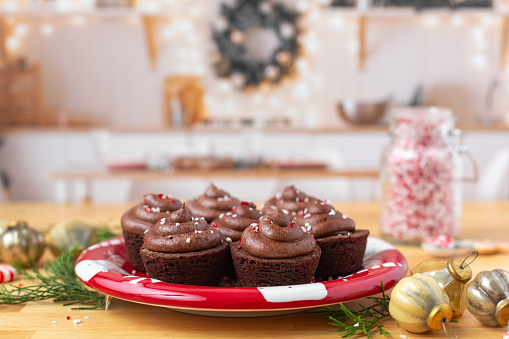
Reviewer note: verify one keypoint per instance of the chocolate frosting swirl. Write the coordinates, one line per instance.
(179, 232)
(291, 200)
(144, 215)
(212, 203)
(276, 236)
(322, 220)
(232, 224)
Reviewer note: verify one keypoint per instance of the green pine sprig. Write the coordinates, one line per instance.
(59, 282)
(364, 321)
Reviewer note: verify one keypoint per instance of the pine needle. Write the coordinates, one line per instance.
(59, 282)
(364, 321)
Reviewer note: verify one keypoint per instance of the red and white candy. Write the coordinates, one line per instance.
(7, 273)
(420, 198)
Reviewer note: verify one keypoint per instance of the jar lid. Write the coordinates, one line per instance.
(462, 274)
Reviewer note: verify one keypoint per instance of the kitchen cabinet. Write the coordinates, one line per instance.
(31, 157)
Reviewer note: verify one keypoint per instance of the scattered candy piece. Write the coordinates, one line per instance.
(7, 273)
(54, 322)
(68, 317)
(86, 317)
(77, 321)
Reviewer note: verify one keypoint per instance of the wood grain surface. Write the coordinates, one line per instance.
(127, 319)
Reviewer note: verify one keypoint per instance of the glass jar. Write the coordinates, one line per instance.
(421, 194)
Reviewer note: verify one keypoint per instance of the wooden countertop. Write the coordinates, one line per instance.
(126, 319)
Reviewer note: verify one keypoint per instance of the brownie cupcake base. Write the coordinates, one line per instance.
(133, 243)
(341, 254)
(202, 268)
(258, 272)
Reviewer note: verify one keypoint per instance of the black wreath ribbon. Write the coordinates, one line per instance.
(233, 58)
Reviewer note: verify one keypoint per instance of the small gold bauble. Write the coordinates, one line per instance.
(64, 234)
(21, 243)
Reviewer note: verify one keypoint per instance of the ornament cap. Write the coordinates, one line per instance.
(438, 314)
(459, 273)
(502, 312)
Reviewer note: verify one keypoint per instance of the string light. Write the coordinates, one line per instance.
(12, 43)
(431, 20)
(20, 30)
(457, 20)
(47, 29)
(337, 21)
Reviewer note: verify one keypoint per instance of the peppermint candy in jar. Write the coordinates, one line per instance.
(421, 196)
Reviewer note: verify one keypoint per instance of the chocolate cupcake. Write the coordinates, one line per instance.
(342, 245)
(180, 249)
(212, 203)
(141, 217)
(291, 200)
(233, 223)
(275, 252)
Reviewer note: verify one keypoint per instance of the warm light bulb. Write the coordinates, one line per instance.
(12, 43)
(457, 20)
(337, 21)
(431, 20)
(479, 61)
(21, 30)
(78, 20)
(47, 29)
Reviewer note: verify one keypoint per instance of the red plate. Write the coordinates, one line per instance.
(104, 267)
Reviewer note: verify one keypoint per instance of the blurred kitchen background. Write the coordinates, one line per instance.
(105, 100)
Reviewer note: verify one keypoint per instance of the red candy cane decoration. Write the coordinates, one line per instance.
(7, 273)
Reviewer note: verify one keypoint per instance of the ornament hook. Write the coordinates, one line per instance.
(462, 266)
(453, 331)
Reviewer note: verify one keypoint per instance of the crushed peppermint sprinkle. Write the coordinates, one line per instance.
(153, 209)
(278, 196)
(211, 232)
(305, 210)
(308, 228)
(306, 199)
(188, 240)
(297, 199)
(251, 209)
(307, 216)
(164, 196)
(167, 212)
(303, 228)
(228, 239)
(86, 317)
(345, 216)
(300, 213)
(163, 220)
(234, 215)
(215, 225)
(254, 224)
(54, 322)
(177, 224)
(332, 212)
(202, 218)
(273, 207)
(285, 211)
(260, 218)
(196, 223)
(229, 213)
(77, 321)
(244, 203)
(221, 215)
(356, 325)
(307, 224)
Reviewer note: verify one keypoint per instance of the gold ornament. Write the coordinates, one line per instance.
(21, 243)
(452, 276)
(488, 297)
(66, 233)
(418, 304)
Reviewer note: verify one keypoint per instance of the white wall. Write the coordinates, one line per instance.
(98, 70)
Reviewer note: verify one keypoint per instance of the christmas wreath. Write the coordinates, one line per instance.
(231, 32)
